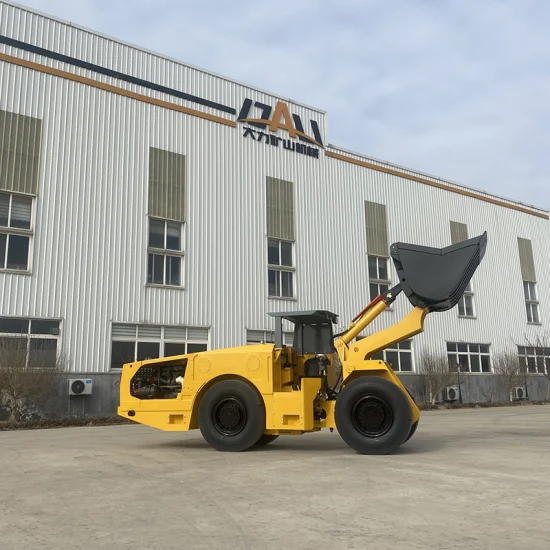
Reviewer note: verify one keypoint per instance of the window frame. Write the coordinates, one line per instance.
(468, 292)
(21, 232)
(378, 281)
(469, 353)
(545, 356)
(29, 336)
(136, 339)
(165, 253)
(531, 302)
(280, 269)
(396, 348)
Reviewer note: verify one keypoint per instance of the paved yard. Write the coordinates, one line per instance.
(469, 479)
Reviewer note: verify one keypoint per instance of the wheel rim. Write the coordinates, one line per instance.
(372, 416)
(229, 416)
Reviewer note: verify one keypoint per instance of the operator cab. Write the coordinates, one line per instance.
(313, 334)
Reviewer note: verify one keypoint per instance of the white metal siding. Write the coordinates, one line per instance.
(90, 248)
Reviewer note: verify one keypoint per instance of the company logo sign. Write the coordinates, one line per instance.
(263, 121)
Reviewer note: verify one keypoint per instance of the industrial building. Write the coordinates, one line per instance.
(151, 208)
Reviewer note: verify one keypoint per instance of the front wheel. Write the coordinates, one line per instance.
(373, 415)
(232, 416)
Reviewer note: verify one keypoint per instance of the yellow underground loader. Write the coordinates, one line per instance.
(244, 397)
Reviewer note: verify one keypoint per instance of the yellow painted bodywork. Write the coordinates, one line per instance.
(289, 398)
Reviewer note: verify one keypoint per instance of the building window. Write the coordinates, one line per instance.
(15, 231)
(254, 337)
(534, 360)
(398, 356)
(468, 357)
(32, 342)
(531, 302)
(466, 302)
(280, 259)
(140, 342)
(165, 250)
(379, 278)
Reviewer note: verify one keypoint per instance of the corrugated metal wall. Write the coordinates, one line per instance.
(90, 246)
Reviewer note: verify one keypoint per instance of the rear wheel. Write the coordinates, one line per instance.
(231, 416)
(265, 439)
(373, 416)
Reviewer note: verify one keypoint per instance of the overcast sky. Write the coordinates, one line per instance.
(456, 88)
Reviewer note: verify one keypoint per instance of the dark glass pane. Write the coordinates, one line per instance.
(539, 351)
(405, 345)
(3, 242)
(469, 306)
(155, 270)
(21, 212)
(173, 349)
(286, 254)
(273, 280)
(529, 316)
(14, 352)
(43, 353)
(148, 350)
(121, 353)
(547, 363)
(484, 349)
(373, 265)
(378, 356)
(462, 347)
(530, 351)
(451, 346)
(156, 234)
(406, 361)
(273, 252)
(474, 348)
(531, 364)
(451, 360)
(475, 363)
(526, 290)
(14, 326)
(535, 312)
(463, 362)
(196, 348)
(173, 270)
(173, 236)
(485, 363)
(18, 252)
(383, 288)
(44, 327)
(382, 269)
(461, 308)
(287, 285)
(392, 357)
(540, 365)
(546, 351)
(373, 290)
(521, 350)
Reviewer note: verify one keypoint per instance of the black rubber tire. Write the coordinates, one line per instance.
(379, 391)
(249, 401)
(265, 439)
(413, 429)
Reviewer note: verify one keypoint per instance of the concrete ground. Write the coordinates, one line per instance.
(477, 478)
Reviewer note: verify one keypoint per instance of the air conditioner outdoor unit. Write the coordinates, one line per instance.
(519, 392)
(450, 393)
(80, 386)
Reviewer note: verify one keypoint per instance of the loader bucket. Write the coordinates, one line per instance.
(436, 278)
